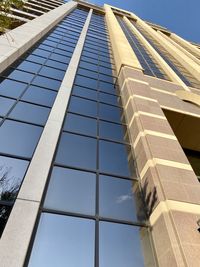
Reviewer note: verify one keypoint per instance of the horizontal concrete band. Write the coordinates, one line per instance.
(19, 40)
(169, 205)
(156, 161)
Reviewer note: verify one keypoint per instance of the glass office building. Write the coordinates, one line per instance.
(99, 151)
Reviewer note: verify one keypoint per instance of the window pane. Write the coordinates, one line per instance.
(63, 241)
(21, 76)
(107, 98)
(80, 124)
(52, 73)
(83, 92)
(29, 66)
(36, 59)
(83, 106)
(107, 87)
(12, 88)
(39, 96)
(46, 82)
(60, 58)
(18, 138)
(30, 113)
(4, 214)
(109, 113)
(111, 131)
(63, 193)
(113, 158)
(56, 64)
(117, 200)
(41, 52)
(120, 245)
(77, 151)
(86, 82)
(5, 105)
(11, 174)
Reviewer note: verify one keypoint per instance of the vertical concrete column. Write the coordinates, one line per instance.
(186, 61)
(183, 49)
(171, 189)
(16, 237)
(185, 44)
(122, 51)
(156, 56)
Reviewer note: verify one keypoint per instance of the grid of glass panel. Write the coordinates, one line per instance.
(92, 214)
(148, 63)
(27, 92)
(183, 74)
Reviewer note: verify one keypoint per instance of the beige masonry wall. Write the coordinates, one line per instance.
(172, 190)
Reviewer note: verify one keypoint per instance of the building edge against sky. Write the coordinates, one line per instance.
(157, 76)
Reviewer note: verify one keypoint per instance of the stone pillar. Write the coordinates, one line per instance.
(171, 189)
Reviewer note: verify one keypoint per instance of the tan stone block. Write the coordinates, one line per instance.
(134, 129)
(192, 254)
(148, 106)
(177, 175)
(186, 227)
(127, 72)
(156, 124)
(165, 148)
(138, 88)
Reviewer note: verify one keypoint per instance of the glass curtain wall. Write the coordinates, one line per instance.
(183, 74)
(92, 214)
(27, 92)
(148, 63)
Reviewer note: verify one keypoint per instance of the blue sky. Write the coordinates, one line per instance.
(179, 16)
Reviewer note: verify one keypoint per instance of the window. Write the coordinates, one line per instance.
(63, 239)
(46, 82)
(117, 198)
(86, 82)
(5, 105)
(18, 138)
(39, 96)
(109, 113)
(111, 131)
(29, 66)
(77, 151)
(120, 245)
(21, 76)
(83, 92)
(83, 106)
(12, 171)
(80, 124)
(72, 191)
(52, 73)
(113, 158)
(12, 88)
